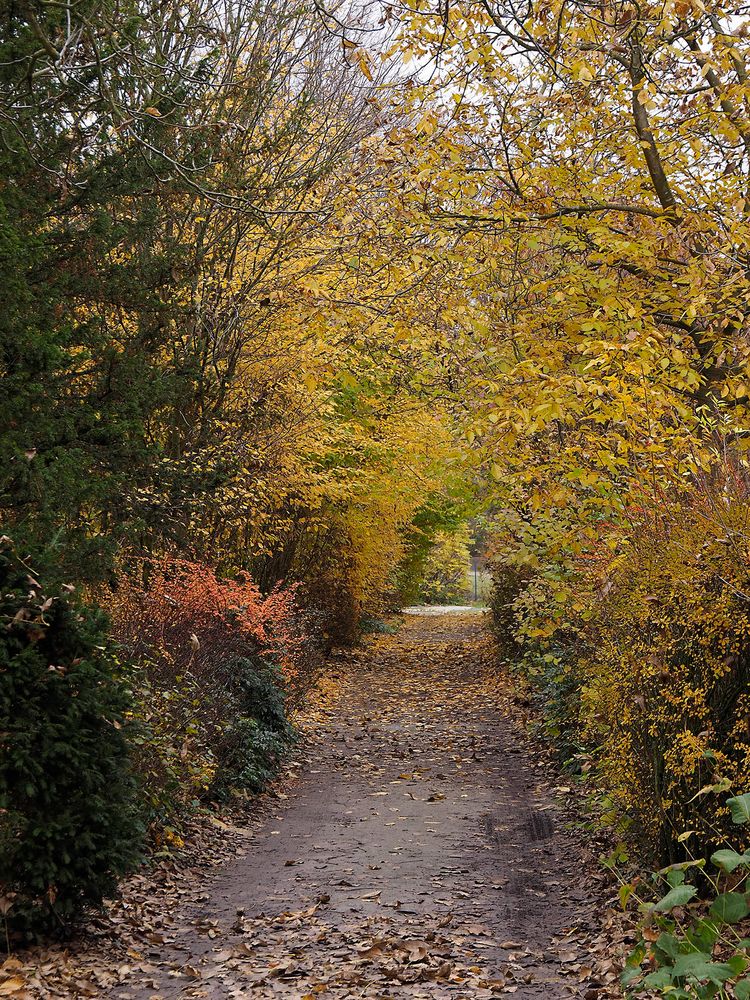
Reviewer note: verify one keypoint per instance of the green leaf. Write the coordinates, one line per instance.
(629, 973)
(730, 907)
(625, 893)
(740, 806)
(668, 945)
(729, 860)
(742, 989)
(703, 935)
(658, 980)
(683, 866)
(738, 964)
(697, 965)
(678, 896)
(632, 968)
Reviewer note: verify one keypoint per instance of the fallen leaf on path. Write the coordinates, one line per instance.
(13, 985)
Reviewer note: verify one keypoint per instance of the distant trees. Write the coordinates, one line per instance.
(446, 571)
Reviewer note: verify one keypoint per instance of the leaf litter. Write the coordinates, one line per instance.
(400, 856)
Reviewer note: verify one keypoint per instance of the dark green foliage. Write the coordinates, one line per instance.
(548, 670)
(68, 821)
(370, 625)
(259, 734)
(700, 949)
(555, 688)
(87, 274)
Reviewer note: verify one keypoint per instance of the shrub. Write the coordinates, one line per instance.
(329, 587)
(172, 753)
(371, 625)
(693, 949)
(548, 669)
(508, 584)
(258, 733)
(68, 819)
(665, 683)
(640, 640)
(216, 664)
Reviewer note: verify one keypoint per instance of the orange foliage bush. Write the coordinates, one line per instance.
(186, 630)
(191, 620)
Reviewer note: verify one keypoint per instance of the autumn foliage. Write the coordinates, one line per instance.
(586, 168)
(272, 336)
(195, 620)
(648, 669)
(194, 641)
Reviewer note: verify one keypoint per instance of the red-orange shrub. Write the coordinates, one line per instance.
(185, 629)
(191, 620)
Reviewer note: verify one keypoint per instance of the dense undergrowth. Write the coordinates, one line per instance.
(214, 667)
(692, 942)
(635, 654)
(646, 664)
(69, 818)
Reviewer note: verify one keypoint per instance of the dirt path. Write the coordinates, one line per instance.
(417, 856)
(418, 853)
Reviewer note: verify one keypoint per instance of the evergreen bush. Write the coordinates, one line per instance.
(259, 733)
(69, 824)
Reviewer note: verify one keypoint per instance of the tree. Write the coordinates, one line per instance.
(584, 172)
(161, 189)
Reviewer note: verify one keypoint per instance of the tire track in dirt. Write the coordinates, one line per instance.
(417, 856)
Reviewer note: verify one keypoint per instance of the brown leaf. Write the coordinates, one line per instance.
(12, 986)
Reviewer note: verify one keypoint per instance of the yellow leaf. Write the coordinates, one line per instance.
(363, 61)
(581, 72)
(13, 985)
